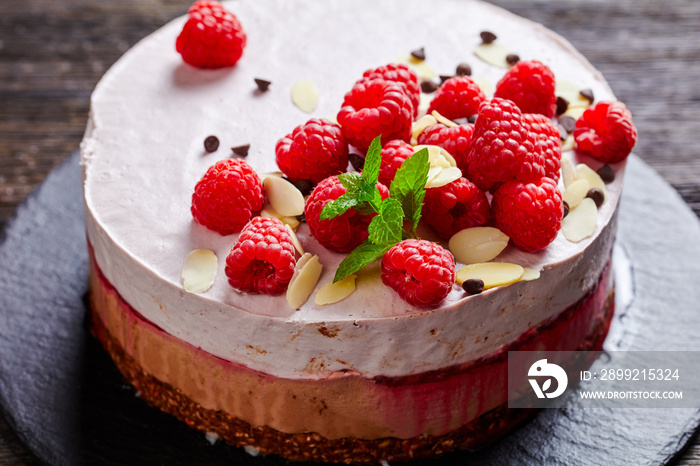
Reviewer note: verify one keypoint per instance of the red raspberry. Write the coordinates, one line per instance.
(344, 232)
(227, 196)
(313, 151)
(263, 258)
(549, 139)
(455, 206)
(529, 213)
(400, 74)
(212, 36)
(606, 132)
(421, 272)
(393, 155)
(530, 84)
(376, 107)
(502, 149)
(458, 97)
(456, 140)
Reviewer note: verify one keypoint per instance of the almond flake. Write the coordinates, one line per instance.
(331, 293)
(295, 240)
(420, 124)
(446, 176)
(304, 280)
(574, 112)
(269, 211)
(437, 156)
(284, 197)
(422, 69)
(529, 275)
(305, 95)
(445, 121)
(485, 86)
(568, 144)
(494, 54)
(570, 91)
(199, 270)
(593, 178)
(478, 244)
(576, 192)
(568, 172)
(493, 274)
(581, 221)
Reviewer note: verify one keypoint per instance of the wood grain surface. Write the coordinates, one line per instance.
(52, 53)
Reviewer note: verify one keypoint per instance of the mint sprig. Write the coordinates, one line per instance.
(405, 202)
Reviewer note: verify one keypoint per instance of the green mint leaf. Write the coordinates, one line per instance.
(339, 206)
(386, 227)
(361, 256)
(350, 180)
(373, 162)
(369, 193)
(408, 186)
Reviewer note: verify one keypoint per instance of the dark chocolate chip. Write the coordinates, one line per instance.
(606, 173)
(563, 133)
(487, 37)
(263, 84)
(472, 119)
(562, 105)
(512, 59)
(211, 144)
(304, 186)
(461, 121)
(357, 161)
(587, 94)
(597, 195)
(418, 54)
(241, 151)
(473, 286)
(301, 218)
(568, 123)
(443, 78)
(464, 69)
(566, 208)
(428, 87)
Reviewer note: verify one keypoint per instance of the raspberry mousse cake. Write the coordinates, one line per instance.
(317, 228)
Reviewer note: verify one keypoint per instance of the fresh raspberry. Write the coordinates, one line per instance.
(530, 84)
(263, 258)
(393, 155)
(421, 272)
(606, 132)
(502, 149)
(344, 232)
(529, 213)
(313, 151)
(456, 140)
(455, 206)
(227, 196)
(458, 97)
(376, 107)
(212, 36)
(400, 74)
(549, 140)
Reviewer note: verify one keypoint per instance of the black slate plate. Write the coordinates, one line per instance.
(61, 393)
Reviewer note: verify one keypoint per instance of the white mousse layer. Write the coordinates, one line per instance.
(143, 153)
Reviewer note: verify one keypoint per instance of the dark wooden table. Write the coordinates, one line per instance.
(52, 54)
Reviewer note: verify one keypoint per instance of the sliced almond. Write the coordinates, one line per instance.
(433, 172)
(295, 240)
(437, 156)
(568, 144)
(494, 54)
(491, 273)
(485, 85)
(331, 293)
(570, 91)
(199, 270)
(478, 244)
(446, 176)
(568, 172)
(424, 103)
(422, 69)
(268, 211)
(441, 119)
(576, 192)
(420, 124)
(305, 95)
(262, 176)
(574, 112)
(284, 197)
(594, 180)
(530, 274)
(580, 222)
(304, 280)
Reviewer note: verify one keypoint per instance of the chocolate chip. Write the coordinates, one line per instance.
(464, 69)
(263, 84)
(473, 286)
(461, 121)
(357, 161)
(597, 195)
(302, 217)
(566, 209)
(563, 133)
(241, 151)
(512, 59)
(304, 186)
(443, 78)
(418, 54)
(211, 143)
(487, 37)
(606, 173)
(428, 87)
(587, 94)
(568, 123)
(472, 119)
(562, 105)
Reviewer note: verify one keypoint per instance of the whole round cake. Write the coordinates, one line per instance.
(317, 228)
